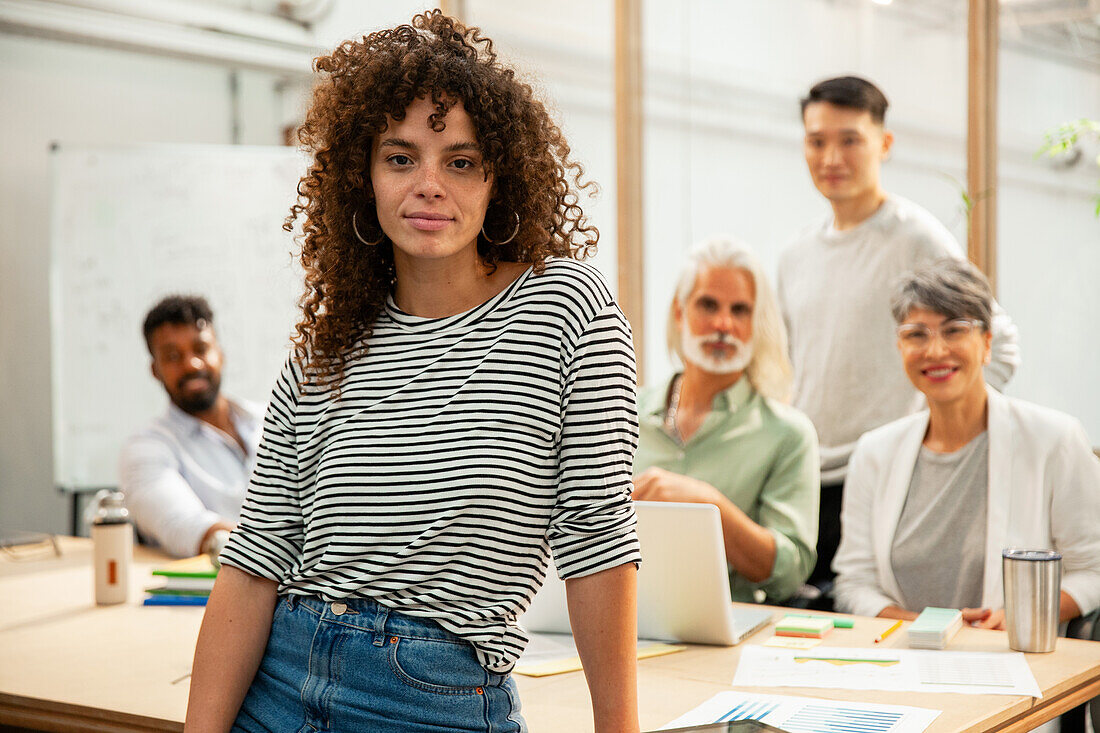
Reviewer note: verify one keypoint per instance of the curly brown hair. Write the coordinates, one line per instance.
(367, 82)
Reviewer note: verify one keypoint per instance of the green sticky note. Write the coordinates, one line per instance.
(838, 623)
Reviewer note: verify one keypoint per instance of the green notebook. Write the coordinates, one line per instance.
(176, 592)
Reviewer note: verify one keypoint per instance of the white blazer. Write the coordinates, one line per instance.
(1044, 492)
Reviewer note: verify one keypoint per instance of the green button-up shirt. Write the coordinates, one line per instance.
(762, 455)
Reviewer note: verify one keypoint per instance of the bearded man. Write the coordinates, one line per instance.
(720, 432)
(184, 476)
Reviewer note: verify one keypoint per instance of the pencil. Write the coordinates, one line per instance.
(888, 631)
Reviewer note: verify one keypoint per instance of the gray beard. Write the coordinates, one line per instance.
(692, 346)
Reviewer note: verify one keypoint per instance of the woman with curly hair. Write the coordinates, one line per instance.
(459, 405)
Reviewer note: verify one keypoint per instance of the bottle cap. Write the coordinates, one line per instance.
(1013, 553)
(109, 508)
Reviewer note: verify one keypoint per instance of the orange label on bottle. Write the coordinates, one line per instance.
(112, 572)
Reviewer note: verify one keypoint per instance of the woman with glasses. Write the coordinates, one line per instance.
(933, 498)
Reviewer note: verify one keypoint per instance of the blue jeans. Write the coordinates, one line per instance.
(357, 666)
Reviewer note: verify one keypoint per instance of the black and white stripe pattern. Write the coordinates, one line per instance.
(462, 451)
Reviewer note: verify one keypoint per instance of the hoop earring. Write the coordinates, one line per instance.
(355, 228)
(511, 236)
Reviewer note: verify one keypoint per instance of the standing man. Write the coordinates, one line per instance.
(834, 288)
(720, 431)
(184, 476)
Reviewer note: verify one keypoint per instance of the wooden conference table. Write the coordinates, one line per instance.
(66, 664)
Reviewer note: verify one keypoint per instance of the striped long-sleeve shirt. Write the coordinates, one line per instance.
(460, 453)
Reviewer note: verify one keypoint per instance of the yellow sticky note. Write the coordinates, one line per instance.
(573, 664)
(545, 669)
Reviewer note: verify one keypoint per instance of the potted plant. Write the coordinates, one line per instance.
(1064, 142)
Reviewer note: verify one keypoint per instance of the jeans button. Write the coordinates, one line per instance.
(339, 608)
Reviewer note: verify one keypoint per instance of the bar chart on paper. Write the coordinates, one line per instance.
(808, 715)
(813, 718)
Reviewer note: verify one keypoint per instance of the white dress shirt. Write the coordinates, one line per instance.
(180, 475)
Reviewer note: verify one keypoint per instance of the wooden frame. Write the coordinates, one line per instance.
(454, 8)
(629, 170)
(981, 138)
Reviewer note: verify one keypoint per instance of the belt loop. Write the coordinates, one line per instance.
(291, 601)
(380, 617)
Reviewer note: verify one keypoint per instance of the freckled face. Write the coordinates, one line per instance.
(430, 187)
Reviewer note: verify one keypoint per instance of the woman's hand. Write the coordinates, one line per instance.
(983, 618)
(657, 484)
(750, 548)
(995, 620)
(897, 612)
(974, 616)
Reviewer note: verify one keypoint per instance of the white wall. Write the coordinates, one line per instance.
(722, 155)
(574, 78)
(1049, 238)
(56, 91)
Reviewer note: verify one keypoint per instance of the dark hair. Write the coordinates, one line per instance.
(849, 91)
(951, 287)
(363, 84)
(185, 310)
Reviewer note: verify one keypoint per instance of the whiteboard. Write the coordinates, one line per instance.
(132, 224)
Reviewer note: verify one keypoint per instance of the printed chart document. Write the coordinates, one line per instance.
(902, 670)
(808, 715)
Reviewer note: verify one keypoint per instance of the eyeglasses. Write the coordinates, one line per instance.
(29, 546)
(917, 336)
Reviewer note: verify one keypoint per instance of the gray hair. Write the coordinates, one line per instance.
(769, 372)
(951, 287)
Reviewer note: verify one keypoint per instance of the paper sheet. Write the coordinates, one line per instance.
(548, 654)
(808, 715)
(902, 670)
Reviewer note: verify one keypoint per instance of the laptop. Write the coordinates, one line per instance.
(683, 583)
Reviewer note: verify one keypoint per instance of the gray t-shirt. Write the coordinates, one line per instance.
(938, 554)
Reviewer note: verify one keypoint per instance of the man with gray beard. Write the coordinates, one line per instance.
(719, 432)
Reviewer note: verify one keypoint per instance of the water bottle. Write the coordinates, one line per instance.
(1032, 582)
(113, 547)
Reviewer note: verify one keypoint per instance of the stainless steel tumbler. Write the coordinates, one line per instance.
(1033, 584)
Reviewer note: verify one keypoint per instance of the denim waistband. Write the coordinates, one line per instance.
(369, 615)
